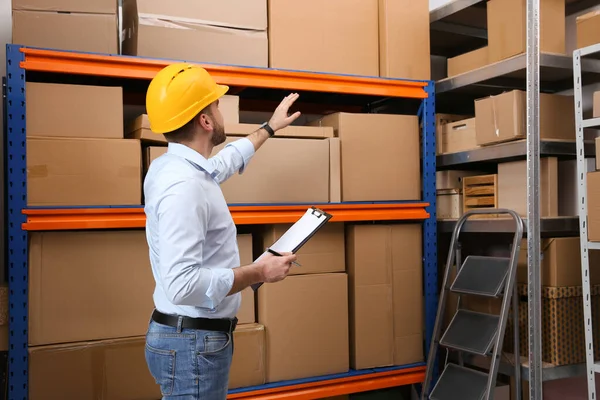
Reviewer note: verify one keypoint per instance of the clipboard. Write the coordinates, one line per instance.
(298, 234)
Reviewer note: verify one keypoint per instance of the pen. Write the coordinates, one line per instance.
(279, 255)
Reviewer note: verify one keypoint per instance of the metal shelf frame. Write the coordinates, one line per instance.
(533, 72)
(53, 64)
(585, 244)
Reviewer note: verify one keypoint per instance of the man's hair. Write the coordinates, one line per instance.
(186, 132)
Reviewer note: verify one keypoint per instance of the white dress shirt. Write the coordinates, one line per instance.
(190, 231)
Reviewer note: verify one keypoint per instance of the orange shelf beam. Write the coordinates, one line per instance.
(337, 387)
(121, 218)
(141, 68)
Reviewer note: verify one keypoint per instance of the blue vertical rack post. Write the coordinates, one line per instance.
(16, 184)
(430, 280)
(17, 246)
(430, 270)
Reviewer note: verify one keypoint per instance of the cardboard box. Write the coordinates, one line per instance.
(568, 183)
(75, 172)
(240, 14)
(57, 110)
(588, 29)
(512, 186)
(323, 253)
(96, 33)
(176, 37)
(311, 35)
(246, 314)
(319, 178)
(503, 117)
(392, 145)
(593, 203)
(83, 280)
(282, 171)
(72, 6)
(469, 61)
(449, 204)
(310, 330)
(248, 365)
(386, 296)
(440, 122)
(103, 370)
(140, 129)
(507, 27)
(560, 263)
(596, 105)
(404, 29)
(459, 136)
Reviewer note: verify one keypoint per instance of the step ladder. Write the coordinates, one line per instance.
(591, 53)
(475, 333)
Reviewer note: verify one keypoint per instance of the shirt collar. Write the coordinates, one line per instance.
(192, 156)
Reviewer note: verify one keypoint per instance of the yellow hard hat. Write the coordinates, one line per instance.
(177, 94)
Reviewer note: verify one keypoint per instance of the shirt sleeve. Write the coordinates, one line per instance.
(182, 227)
(233, 158)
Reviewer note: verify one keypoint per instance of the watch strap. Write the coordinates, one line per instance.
(268, 128)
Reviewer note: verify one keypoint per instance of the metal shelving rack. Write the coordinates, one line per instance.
(133, 73)
(586, 245)
(460, 24)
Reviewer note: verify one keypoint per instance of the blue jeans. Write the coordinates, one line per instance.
(189, 364)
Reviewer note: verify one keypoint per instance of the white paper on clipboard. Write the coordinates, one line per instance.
(299, 233)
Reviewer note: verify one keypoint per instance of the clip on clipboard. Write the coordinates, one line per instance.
(298, 234)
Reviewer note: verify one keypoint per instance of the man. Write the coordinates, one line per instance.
(192, 237)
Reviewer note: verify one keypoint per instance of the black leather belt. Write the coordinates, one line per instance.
(207, 324)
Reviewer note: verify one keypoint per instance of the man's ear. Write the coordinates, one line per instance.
(206, 122)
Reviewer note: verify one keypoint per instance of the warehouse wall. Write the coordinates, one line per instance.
(5, 37)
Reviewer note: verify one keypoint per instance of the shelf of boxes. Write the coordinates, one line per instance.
(480, 68)
(460, 26)
(30, 223)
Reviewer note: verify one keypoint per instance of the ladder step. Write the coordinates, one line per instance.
(460, 383)
(483, 276)
(472, 332)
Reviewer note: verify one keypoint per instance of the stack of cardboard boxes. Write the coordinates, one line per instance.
(499, 120)
(356, 283)
(388, 38)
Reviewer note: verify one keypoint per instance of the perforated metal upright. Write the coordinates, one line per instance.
(16, 178)
(586, 245)
(534, 280)
(430, 270)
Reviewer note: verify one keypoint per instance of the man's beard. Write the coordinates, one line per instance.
(218, 136)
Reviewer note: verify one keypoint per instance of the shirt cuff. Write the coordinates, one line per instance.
(220, 285)
(246, 149)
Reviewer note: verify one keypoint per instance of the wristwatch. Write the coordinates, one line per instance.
(268, 128)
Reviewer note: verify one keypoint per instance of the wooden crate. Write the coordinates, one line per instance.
(480, 192)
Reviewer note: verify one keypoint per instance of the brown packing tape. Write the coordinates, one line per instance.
(193, 21)
(184, 23)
